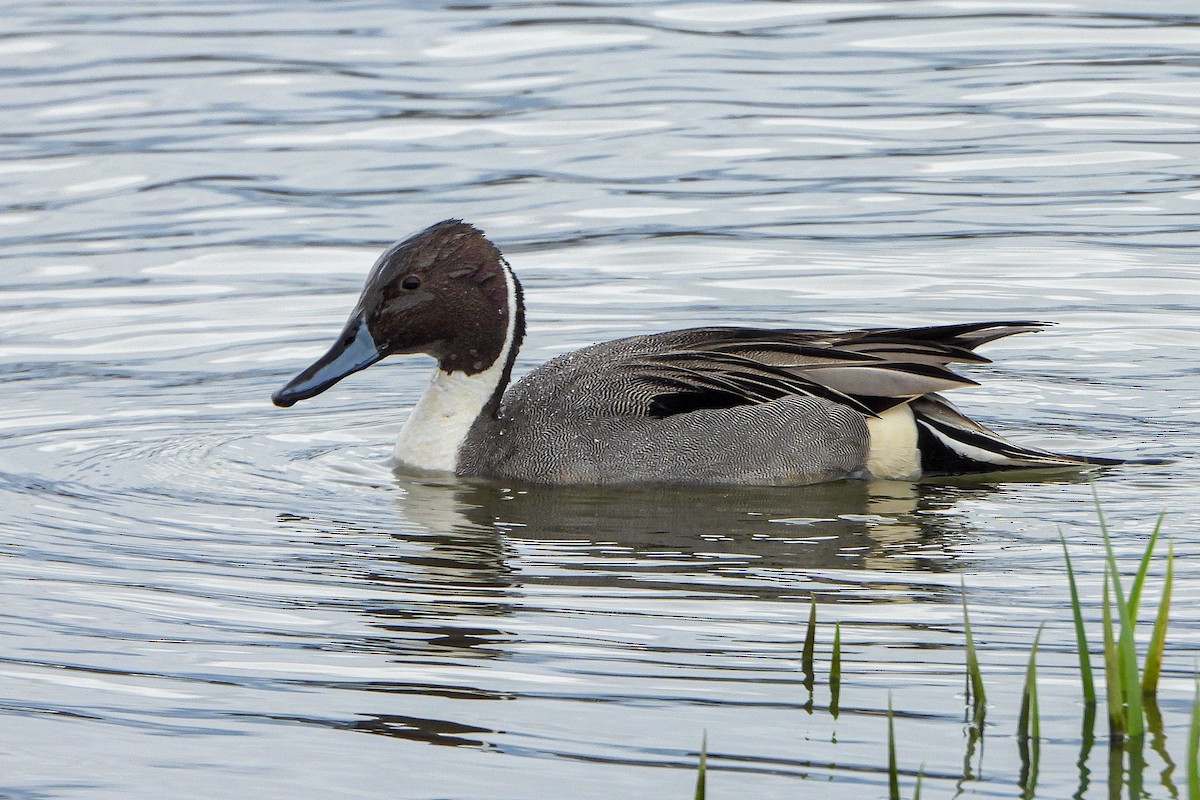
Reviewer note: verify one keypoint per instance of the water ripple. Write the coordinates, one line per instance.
(195, 583)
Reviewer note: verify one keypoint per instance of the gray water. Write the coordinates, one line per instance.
(205, 596)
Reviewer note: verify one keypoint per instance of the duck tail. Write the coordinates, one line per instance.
(951, 444)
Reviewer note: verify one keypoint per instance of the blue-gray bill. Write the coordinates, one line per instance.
(354, 350)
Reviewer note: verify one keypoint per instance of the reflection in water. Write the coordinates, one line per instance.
(427, 731)
(889, 526)
(1158, 741)
(448, 586)
(461, 549)
(839, 525)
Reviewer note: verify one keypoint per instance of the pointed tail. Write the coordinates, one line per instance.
(952, 444)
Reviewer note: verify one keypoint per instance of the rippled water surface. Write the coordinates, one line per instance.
(207, 596)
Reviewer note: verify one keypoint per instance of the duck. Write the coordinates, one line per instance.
(708, 405)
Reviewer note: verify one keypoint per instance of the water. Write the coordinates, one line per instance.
(204, 595)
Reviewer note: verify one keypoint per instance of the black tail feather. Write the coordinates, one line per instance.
(952, 444)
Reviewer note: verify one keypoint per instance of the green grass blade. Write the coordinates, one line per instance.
(806, 655)
(1099, 509)
(1118, 593)
(702, 767)
(1127, 678)
(1135, 591)
(835, 670)
(917, 785)
(974, 674)
(1158, 639)
(1081, 645)
(1131, 685)
(1112, 681)
(1127, 667)
(1193, 749)
(893, 772)
(1028, 721)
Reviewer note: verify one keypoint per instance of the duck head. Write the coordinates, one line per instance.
(446, 292)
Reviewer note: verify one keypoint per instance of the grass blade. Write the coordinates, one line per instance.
(1112, 693)
(835, 670)
(917, 786)
(1127, 678)
(1135, 591)
(1130, 685)
(974, 675)
(1028, 724)
(1158, 639)
(1118, 593)
(1081, 645)
(810, 641)
(1028, 721)
(702, 767)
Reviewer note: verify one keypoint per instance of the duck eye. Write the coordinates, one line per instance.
(410, 283)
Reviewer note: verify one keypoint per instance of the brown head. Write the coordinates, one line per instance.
(446, 292)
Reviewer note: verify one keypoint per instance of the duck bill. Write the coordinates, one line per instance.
(354, 350)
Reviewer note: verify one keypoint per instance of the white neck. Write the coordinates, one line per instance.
(439, 423)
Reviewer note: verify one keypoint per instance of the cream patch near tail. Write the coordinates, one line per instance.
(893, 453)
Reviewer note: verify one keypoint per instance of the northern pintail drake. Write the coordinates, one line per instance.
(715, 405)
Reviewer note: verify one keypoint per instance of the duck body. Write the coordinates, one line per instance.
(713, 405)
(593, 416)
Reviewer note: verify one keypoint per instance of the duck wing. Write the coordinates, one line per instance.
(868, 370)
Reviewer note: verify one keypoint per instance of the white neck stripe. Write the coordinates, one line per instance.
(439, 423)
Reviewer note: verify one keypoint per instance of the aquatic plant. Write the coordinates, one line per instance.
(806, 654)
(975, 691)
(1081, 645)
(1029, 732)
(1129, 688)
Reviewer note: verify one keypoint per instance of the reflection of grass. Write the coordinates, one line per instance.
(1130, 690)
(835, 670)
(893, 772)
(806, 657)
(1193, 749)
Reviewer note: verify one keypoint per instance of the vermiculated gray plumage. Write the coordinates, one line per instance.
(716, 405)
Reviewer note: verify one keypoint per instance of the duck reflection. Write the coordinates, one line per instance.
(455, 574)
(839, 525)
(469, 544)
